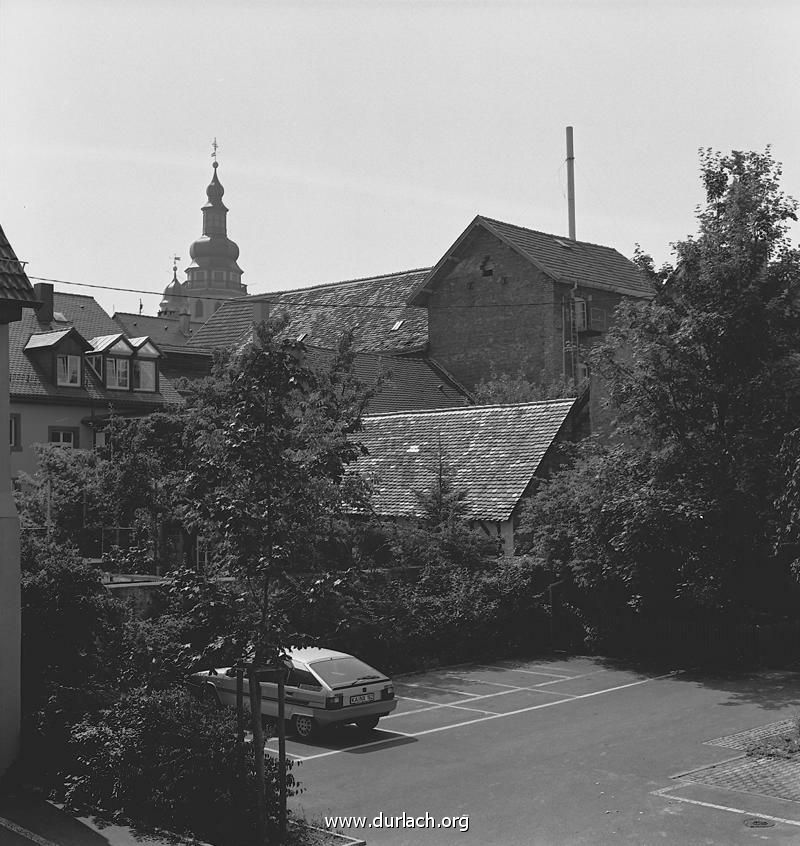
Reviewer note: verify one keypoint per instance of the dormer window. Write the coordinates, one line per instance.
(117, 373)
(145, 365)
(68, 370)
(144, 375)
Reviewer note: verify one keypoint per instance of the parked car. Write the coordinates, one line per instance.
(322, 688)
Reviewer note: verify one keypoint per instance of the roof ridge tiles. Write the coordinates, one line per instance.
(565, 238)
(467, 409)
(319, 285)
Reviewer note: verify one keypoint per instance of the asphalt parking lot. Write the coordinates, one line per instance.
(550, 751)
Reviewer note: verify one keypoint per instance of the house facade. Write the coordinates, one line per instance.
(71, 367)
(16, 298)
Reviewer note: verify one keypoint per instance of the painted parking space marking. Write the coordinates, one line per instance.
(435, 687)
(664, 793)
(510, 688)
(544, 705)
(400, 736)
(435, 705)
(572, 678)
(520, 670)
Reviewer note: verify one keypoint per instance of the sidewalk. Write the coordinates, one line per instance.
(27, 820)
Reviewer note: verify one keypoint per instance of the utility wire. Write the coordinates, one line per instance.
(264, 298)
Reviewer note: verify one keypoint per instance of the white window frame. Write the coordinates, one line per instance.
(115, 368)
(72, 369)
(55, 435)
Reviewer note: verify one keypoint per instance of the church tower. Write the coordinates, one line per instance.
(214, 274)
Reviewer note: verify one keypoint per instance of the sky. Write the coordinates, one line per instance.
(360, 138)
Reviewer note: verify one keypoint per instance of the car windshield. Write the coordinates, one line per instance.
(343, 672)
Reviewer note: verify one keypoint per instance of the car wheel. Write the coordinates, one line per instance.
(368, 723)
(303, 726)
(211, 696)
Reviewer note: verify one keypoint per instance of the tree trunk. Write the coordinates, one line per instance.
(258, 751)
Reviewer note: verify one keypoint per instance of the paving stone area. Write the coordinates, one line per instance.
(743, 739)
(764, 776)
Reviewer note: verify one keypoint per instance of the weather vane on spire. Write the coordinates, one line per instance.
(214, 145)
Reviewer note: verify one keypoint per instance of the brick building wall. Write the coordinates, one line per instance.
(494, 311)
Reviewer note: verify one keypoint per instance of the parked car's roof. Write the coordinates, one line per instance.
(309, 654)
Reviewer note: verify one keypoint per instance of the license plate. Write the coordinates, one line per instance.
(362, 697)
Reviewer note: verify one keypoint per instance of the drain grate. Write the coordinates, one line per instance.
(758, 822)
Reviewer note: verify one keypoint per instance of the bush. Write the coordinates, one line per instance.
(164, 759)
(448, 615)
(71, 636)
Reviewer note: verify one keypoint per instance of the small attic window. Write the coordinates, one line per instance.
(562, 243)
(397, 325)
(413, 449)
(487, 268)
(302, 336)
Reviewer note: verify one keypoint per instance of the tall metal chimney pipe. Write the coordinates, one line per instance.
(571, 183)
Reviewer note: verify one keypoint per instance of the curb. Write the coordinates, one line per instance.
(345, 839)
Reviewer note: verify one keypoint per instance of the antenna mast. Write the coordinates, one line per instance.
(571, 183)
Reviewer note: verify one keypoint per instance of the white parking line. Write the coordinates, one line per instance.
(543, 705)
(485, 718)
(664, 794)
(572, 678)
(426, 701)
(529, 672)
(432, 687)
(433, 706)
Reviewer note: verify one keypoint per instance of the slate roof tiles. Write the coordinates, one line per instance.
(14, 282)
(590, 265)
(370, 307)
(493, 453)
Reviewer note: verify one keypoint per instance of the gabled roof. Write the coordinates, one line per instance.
(408, 384)
(371, 307)
(48, 340)
(14, 282)
(493, 453)
(563, 260)
(104, 342)
(87, 319)
(164, 331)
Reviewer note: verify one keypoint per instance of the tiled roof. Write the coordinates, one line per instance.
(588, 265)
(27, 381)
(14, 282)
(370, 306)
(409, 384)
(164, 331)
(493, 453)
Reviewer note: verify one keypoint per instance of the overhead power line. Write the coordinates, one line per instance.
(264, 298)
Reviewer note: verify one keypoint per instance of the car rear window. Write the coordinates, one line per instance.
(343, 672)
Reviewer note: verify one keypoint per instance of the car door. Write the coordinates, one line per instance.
(304, 691)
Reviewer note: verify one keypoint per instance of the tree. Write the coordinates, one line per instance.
(145, 460)
(269, 480)
(65, 497)
(704, 381)
(507, 388)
